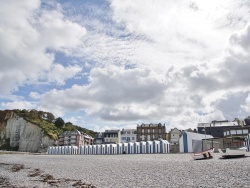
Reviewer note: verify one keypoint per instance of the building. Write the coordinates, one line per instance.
(99, 138)
(128, 135)
(87, 140)
(174, 135)
(74, 138)
(192, 142)
(151, 132)
(112, 136)
(216, 128)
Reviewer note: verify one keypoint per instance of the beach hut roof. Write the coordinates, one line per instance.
(197, 136)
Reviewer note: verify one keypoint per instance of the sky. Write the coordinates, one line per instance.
(115, 64)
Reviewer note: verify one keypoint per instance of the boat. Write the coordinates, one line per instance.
(233, 153)
(207, 154)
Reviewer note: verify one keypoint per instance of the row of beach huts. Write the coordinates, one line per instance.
(157, 146)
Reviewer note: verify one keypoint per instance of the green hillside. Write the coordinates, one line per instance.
(51, 126)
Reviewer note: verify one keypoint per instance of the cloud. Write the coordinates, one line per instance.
(166, 61)
(28, 36)
(58, 73)
(18, 105)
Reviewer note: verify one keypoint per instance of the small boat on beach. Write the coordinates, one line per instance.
(233, 153)
(207, 154)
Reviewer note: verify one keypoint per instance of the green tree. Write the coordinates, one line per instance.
(59, 122)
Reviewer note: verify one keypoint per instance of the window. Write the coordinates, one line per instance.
(133, 138)
(245, 131)
(148, 130)
(233, 131)
(238, 131)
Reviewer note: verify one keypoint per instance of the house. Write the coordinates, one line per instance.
(112, 136)
(128, 135)
(99, 138)
(74, 138)
(151, 132)
(175, 135)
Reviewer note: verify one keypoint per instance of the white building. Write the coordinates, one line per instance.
(175, 135)
(128, 135)
(188, 139)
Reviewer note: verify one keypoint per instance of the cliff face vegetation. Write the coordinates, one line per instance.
(31, 130)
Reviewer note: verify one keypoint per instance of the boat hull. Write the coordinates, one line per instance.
(232, 153)
(208, 154)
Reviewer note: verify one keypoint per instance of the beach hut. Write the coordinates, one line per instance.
(107, 149)
(164, 146)
(156, 146)
(98, 149)
(49, 150)
(74, 150)
(149, 147)
(124, 148)
(94, 149)
(113, 148)
(85, 149)
(119, 148)
(142, 147)
(103, 149)
(90, 147)
(187, 139)
(130, 148)
(56, 150)
(81, 152)
(136, 147)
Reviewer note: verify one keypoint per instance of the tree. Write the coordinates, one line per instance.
(59, 122)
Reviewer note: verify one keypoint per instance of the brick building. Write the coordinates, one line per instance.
(151, 132)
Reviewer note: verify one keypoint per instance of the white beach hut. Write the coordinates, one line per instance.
(102, 149)
(142, 147)
(81, 152)
(156, 146)
(119, 148)
(94, 149)
(49, 150)
(164, 146)
(113, 149)
(74, 150)
(186, 141)
(136, 147)
(130, 148)
(98, 149)
(149, 147)
(90, 147)
(124, 148)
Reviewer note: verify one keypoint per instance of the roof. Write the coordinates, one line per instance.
(197, 136)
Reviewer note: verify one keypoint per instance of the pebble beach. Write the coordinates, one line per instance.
(114, 171)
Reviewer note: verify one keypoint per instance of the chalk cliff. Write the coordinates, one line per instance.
(17, 133)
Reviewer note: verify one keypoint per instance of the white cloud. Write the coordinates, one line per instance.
(26, 33)
(34, 95)
(58, 73)
(153, 61)
(18, 105)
